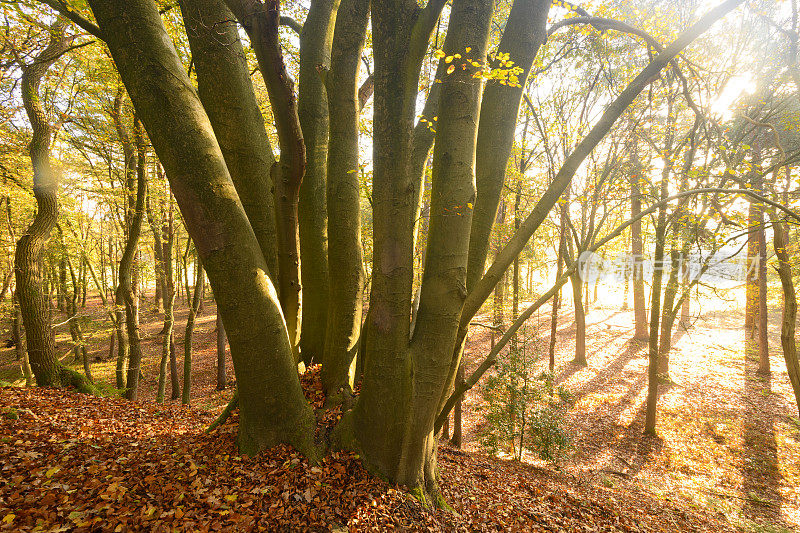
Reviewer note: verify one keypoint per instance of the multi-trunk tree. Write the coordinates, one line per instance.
(216, 157)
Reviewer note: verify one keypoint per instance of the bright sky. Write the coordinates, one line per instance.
(736, 87)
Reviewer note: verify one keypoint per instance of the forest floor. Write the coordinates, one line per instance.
(727, 455)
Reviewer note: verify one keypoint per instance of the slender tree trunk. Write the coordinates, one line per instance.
(658, 271)
(685, 321)
(187, 338)
(788, 340)
(557, 297)
(168, 237)
(222, 378)
(457, 414)
(344, 246)
(580, 320)
(763, 316)
(637, 251)
(125, 289)
(167, 349)
(312, 110)
(79, 342)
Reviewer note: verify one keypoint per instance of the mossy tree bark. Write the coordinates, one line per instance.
(28, 260)
(312, 109)
(343, 197)
(125, 289)
(273, 409)
(227, 94)
(400, 443)
(261, 21)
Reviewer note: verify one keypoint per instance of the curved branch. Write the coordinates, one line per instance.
(86, 25)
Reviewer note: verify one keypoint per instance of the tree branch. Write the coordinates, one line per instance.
(62, 7)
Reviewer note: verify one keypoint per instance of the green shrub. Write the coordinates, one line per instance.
(524, 410)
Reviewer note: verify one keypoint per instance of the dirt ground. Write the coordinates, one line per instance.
(728, 440)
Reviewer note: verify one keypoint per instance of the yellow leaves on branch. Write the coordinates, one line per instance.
(504, 71)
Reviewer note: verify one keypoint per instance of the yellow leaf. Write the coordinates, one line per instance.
(469, 49)
(52, 471)
(448, 59)
(450, 69)
(7, 519)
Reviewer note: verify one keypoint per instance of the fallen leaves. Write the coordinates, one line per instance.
(84, 464)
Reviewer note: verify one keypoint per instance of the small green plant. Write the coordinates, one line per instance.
(524, 410)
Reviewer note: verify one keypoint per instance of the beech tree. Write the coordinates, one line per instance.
(212, 143)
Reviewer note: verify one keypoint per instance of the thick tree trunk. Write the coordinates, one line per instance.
(393, 419)
(312, 110)
(261, 22)
(272, 406)
(344, 245)
(227, 94)
(19, 344)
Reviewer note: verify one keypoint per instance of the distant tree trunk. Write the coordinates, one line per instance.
(763, 317)
(580, 320)
(187, 339)
(222, 378)
(19, 344)
(637, 250)
(685, 307)
(125, 289)
(457, 422)
(167, 348)
(28, 263)
(668, 314)
(562, 225)
(75, 331)
(168, 237)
